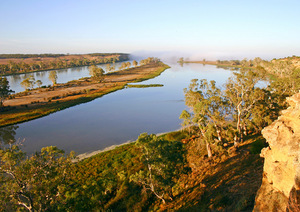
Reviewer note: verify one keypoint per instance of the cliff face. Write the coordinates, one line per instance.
(281, 179)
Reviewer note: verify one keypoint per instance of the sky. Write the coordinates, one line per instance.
(197, 29)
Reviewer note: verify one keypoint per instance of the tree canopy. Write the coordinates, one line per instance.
(5, 90)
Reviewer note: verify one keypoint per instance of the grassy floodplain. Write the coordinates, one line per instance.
(43, 101)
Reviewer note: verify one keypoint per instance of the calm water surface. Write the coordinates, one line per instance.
(119, 116)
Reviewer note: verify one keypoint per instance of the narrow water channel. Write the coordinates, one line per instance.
(119, 116)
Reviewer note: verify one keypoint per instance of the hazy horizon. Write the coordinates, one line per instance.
(193, 29)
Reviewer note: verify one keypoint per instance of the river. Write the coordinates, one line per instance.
(117, 117)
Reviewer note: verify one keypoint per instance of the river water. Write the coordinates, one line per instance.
(117, 117)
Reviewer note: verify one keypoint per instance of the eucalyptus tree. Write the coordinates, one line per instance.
(35, 183)
(97, 73)
(123, 66)
(187, 121)
(209, 109)
(53, 77)
(134, 63)
(128, 64)
(5, 90)
(109, 68)
(242, 96)
(164, 161)
(28, 83)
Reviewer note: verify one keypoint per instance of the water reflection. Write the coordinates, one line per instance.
(7, 135)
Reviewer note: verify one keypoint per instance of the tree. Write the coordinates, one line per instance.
(36, 183)
(39, 83)
(164, 162)
(187, 122)
(5, 90)
(209, 109)
(109, 68)
(53, 77)
(134, 63)
(128, 64)
(242, 96)
(97, 73)
(28, 83)
(123, 66)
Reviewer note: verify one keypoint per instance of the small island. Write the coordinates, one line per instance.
(42, 101)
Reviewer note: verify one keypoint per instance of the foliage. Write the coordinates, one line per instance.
(28, 83)
(35, 183)
(5, 90)
(163, 161)
(242, 96)
(102, 182)
(187, 120)
(60, 61)
(5, 56)
(53, 77)
(97, 73)
(209, 110)
(134, 63)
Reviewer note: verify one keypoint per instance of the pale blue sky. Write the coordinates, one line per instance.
(213, 29)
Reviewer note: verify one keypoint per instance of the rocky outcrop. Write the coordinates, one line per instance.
(281, 179)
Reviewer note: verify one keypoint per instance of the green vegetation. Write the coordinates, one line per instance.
(6, 56)
(53, 77)
(28, 83)
(33, 183)
(97, 73)
(39, 63)
(164, 162)
(5, 90)
(144, 86)
(212, 164)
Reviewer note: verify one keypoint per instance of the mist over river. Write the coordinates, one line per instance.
(117, 117)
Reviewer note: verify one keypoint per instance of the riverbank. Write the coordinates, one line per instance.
(216, 63)
(229, 173)
(86, 155)
(25, 63)
(43, 101)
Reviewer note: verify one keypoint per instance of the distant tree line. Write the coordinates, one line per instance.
(59, 63)
(7, 56)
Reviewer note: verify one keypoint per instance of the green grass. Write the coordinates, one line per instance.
(144, 86)
(228, 182)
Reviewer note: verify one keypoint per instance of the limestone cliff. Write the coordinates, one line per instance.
(281, 178)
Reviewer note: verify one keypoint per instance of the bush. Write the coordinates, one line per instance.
(258, 145)
(176, 136)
